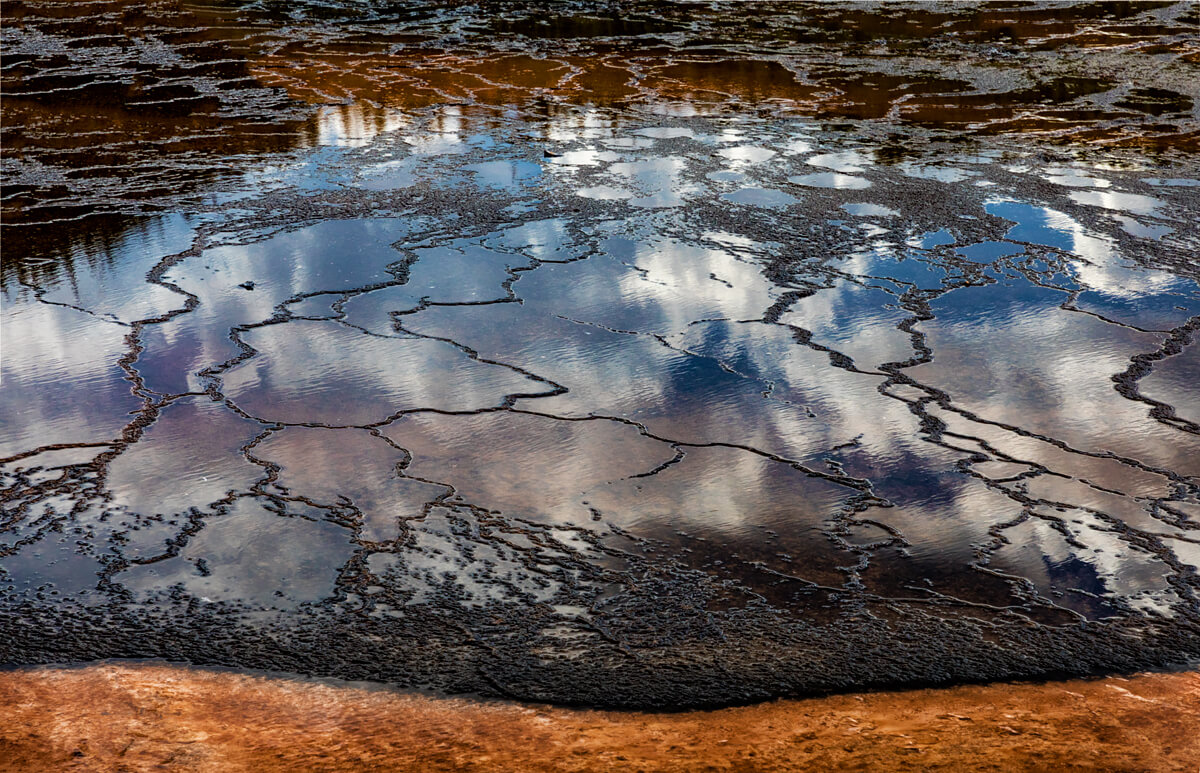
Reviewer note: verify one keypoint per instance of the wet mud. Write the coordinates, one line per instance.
(603, 361)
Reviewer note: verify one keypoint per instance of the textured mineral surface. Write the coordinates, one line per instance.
(665, 357)
(142, 718)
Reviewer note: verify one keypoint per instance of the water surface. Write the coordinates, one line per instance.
(596, 362)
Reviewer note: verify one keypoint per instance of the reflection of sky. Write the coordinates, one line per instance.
(831, 180)
(543, 475)
(506, 174)
(1102, 267)
(659, 181)
(1047, 370)
(652, 287)
(869, 210)
(857, 321)
(761, 197)
(243, 562)
(111, 282)
(59, 377)
(1122, 202)
(641, 316)
(316, 371)
(331, 466)
(190, 457)
(455, 273)
(335, 255)
(58, 367)
(847, 161)
(352, 126)
(1174, 381)
(986, 252)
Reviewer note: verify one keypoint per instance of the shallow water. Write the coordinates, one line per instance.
(681, 397)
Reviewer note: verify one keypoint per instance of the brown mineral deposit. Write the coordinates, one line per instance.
(126, 717)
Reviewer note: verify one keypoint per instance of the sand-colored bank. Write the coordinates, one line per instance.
(148, 717)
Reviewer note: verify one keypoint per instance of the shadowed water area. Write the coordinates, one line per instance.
(665, 357)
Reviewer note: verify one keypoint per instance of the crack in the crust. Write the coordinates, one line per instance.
(858, 484)
(918, 302)
(1142, 364)
(923, 354)
(1175, 343)
(95, 471)
(39, 293)
(562, 566)
(802, 336)
(400, 276)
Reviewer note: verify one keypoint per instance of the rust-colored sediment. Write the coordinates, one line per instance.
(149, 717)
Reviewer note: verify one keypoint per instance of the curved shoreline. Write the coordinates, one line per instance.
(133, 717)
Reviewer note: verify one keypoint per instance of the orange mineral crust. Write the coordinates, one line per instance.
(150, 717)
